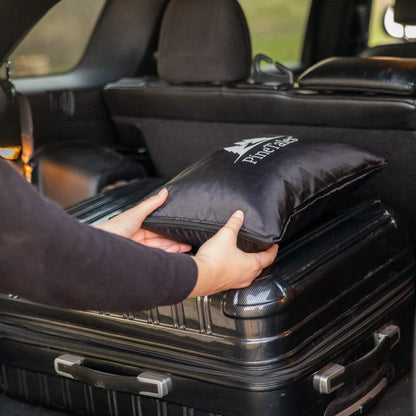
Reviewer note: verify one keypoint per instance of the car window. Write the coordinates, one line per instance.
(383, 29)
(277, 28)
(58, 41)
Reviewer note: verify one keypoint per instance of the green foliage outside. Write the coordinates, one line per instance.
(277, 27)
(377, 34)
(57, 43)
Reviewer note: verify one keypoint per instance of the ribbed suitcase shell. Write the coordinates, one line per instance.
(251, 351)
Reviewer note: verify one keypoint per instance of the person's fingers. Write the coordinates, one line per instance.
(168, 246)
(152, 239)
(183, 248)
(266, 258)
(233, 225)
(149, 205)
(176, 248)
(256, 262)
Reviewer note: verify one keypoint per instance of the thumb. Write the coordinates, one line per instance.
(233, 225)
(267, 257)
(149, 205)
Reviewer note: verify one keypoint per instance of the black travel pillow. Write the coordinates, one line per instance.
(282, 183)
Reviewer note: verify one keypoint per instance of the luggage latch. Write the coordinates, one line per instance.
(333, 376)
(63, 362)
(388, 331)
(162, 383)
(325, 381)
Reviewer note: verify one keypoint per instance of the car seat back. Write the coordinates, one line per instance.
(180, 122)
(204, 46)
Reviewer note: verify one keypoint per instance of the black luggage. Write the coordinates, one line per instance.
(102, 207)
(322, 331)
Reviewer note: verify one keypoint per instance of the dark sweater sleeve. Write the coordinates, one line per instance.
(49, 257)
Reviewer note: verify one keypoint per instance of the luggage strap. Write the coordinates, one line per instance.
(26, 134)
(25, 121)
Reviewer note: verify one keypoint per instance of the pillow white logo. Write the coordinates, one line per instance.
(244, 148)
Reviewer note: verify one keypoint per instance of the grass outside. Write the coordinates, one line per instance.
(57, 44)
(277, 27)
(377, 34)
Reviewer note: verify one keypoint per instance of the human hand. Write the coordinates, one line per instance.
(128, 225)
(223, 266)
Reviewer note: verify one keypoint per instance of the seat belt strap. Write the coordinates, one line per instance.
(26, 125)
(26, 134)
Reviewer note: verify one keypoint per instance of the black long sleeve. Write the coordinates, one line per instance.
(49, 257)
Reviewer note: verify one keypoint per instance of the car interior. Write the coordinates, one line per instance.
(162, 84)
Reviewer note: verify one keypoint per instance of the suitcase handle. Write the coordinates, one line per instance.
(364, 396)
(147, 383)
(333, 376)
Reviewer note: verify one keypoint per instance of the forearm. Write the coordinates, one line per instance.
(49, 257)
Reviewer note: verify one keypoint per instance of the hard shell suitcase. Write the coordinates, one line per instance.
(321, 332)
(100, 208)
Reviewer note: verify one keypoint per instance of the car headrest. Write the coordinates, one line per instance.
(204, 41)
(395, 50)
(382, 75)
(405, 12)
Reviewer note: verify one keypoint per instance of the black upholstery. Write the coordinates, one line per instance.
(405, 12)
(204, 41)
(68, 171)
(172, 151)
(132, 100)
(398, 50)
(9, 122)
(4, 100)
(71, 172)
(382, 75)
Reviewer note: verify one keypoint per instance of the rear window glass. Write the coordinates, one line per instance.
(383, 29)
(277, 28)
(58, 41)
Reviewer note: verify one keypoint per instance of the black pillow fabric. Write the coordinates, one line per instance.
(281, 183)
